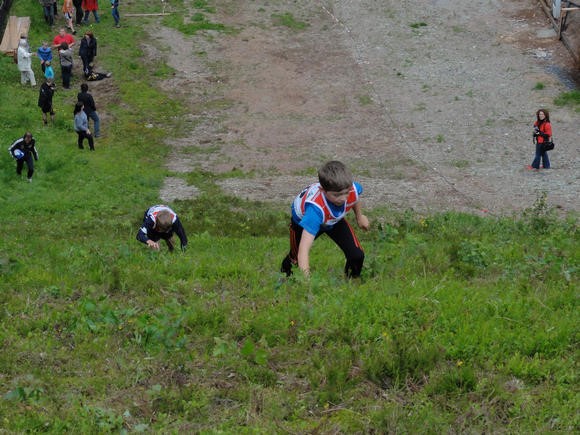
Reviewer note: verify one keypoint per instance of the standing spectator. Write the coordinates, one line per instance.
(88, 51)
(23, 150)
(115, 12)
(44, 53)
(78, 4)
(63, 37)
(91, 6)
(25, 62)
(48, 71)
(67, 11)
(48, 10)
(542, 135)
(81, 126)
(89, 107)
(66, 64)
(45, 100)
(160, 222)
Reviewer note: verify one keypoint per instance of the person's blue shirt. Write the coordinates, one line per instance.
(313, 217)
(44, 53)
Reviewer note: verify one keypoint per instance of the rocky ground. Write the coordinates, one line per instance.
(431, 102)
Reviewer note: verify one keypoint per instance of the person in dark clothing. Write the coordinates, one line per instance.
(88, 50)
(160, 222)
(45, 100)
(81, 124)
(90, 108)
(78, 4)
(23, 150)
(48, 10)
(66, 64)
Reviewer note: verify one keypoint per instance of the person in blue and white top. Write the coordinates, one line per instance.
(160, 222)
(23, 150)
(320, 209)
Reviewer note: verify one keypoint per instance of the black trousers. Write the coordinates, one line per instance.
(82, 135)
(66, 72)
(78, 11)
(29, 163)
(342, 234)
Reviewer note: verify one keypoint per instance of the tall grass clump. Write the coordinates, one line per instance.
(459, 323)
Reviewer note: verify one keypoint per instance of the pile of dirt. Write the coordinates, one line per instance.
(431, 102)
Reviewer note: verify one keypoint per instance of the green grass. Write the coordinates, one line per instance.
(571, 98)
(459, 323)
(288, 20)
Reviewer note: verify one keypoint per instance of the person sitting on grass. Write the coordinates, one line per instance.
(320, 209)
(160, 222)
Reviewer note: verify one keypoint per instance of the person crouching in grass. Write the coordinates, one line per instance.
(160, 222)
(320, 209)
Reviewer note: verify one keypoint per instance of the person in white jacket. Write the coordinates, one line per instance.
(25, 62)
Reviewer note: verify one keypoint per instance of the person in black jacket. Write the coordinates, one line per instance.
(22, 150)
(90, 108)
(45, 100)
(160, 222)
(88, 51)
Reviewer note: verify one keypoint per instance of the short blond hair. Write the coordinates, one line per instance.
(163, 221)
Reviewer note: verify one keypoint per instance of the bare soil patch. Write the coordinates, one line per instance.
(431, 102)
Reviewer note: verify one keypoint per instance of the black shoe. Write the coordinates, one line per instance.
(286, 266)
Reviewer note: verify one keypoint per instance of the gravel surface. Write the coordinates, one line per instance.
(431, 102)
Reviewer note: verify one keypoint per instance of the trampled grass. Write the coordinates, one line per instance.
(459, 324)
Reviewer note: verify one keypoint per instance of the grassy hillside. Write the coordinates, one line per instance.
(459, 324)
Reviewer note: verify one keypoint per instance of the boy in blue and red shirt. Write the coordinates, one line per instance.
(320, 209)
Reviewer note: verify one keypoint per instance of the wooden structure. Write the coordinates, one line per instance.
(570, 38)
(16, 27)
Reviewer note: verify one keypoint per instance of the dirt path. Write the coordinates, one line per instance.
(430, 102)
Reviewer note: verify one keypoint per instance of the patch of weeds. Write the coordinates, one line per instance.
(288, 20)
(199, 22)
(455, 380)
(418, 25)
(469, 257)
(162, 70)
(420, 107)
(571, 98)
(102, 419)
(203, 5)
(399, 358)
(469, 93)
(440, 138)
(539, 86)
(365, 100)
(540, 216)
(460, 164)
